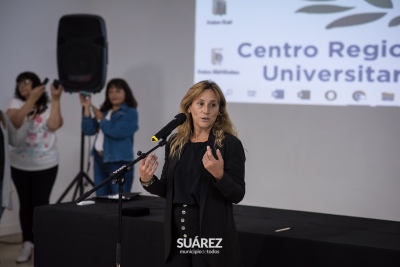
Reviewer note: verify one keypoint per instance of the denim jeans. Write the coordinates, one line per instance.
(102, 171)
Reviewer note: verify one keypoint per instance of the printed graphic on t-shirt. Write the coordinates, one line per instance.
(37, 143)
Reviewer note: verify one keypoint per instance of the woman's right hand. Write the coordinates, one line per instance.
(148, 167)
(36, 93)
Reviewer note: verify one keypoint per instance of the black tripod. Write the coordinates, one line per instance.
(79, 178)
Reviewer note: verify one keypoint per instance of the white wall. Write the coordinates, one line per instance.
(324, 159)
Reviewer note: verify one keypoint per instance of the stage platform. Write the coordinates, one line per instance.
(70, 235)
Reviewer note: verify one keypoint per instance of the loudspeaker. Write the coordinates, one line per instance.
(82, 53)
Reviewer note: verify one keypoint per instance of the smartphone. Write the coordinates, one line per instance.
(45, 81)
(56, 83)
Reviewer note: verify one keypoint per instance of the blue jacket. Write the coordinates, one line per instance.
(118, 133)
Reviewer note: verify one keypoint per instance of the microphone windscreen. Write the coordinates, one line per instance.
(181, 117)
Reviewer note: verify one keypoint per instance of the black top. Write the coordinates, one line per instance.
(216, 199)
(188, 173)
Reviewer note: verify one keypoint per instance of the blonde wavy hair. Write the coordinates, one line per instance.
(222, 125)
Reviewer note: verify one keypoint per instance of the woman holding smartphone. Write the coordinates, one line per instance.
(114, 125)
(34, 162)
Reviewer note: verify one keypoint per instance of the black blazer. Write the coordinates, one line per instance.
(216, 212)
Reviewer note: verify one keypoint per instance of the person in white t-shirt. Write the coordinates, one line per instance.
(34, 162)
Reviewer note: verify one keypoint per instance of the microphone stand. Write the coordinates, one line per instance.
(118, 177)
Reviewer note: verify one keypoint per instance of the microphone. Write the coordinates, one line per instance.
(164, 132)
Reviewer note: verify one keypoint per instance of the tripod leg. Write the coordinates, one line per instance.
(79, 177)
(88, 179)
(76, 190)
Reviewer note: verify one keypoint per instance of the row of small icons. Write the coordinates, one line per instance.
(330, 95)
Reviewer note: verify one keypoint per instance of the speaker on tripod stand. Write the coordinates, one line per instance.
(82, 66)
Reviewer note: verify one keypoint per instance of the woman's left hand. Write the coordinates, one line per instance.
(148, 167)
(97, 113)
(214, 165)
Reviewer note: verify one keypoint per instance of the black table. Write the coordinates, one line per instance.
(71, 235)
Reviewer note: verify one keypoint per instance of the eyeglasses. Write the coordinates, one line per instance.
(24, 82)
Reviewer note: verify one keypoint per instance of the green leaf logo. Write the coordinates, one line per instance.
(323, 9)
(381, 3)
(352, 19)
(395, 22)
(355, 20)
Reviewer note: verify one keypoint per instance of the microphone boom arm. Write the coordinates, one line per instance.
(120, 172)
